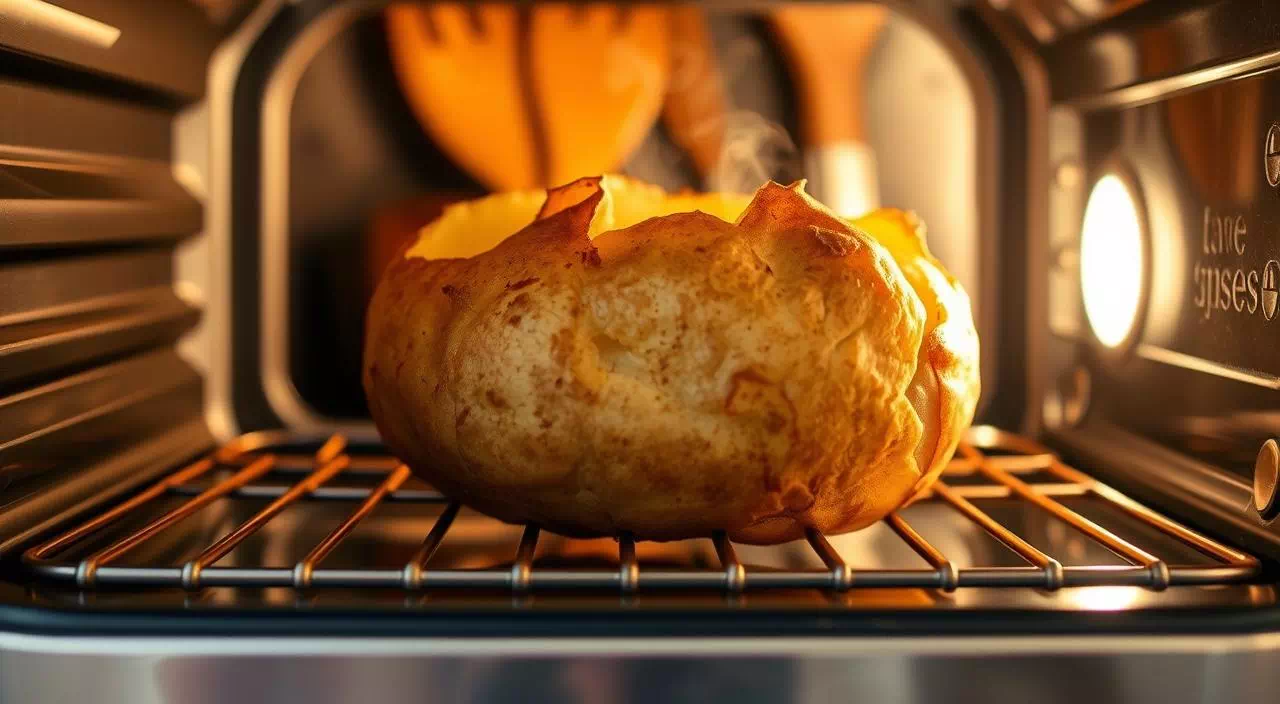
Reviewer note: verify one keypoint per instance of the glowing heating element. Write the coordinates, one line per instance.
(1111, 261)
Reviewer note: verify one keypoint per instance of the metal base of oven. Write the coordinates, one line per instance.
(1133, 670)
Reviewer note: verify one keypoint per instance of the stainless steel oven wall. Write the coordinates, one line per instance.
(93, 397)
(1151, 669)
(1179, 104)
(304, 118)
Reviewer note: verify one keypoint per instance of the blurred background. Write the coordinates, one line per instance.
(391, 115)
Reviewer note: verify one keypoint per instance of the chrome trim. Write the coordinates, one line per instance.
(1152, 472)
(123, 646)
(224, 69)
(1207, 366)
(274, 343)
(1151, 91)
(1133, 669)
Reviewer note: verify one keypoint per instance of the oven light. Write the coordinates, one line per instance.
(1107, 598)
(1111, 260)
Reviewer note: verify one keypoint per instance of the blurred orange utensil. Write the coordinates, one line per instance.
(602, 73)
(532, 96)
(828, 47)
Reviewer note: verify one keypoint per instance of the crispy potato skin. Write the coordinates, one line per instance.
(679, 376)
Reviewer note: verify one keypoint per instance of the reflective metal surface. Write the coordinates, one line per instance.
(1203, 375)
(1144, 42)
(1135, 670)
(92, 398)
(1266, 475)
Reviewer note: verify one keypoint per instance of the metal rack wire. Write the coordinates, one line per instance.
(1001, 458)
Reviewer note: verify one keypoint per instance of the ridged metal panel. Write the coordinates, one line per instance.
(93, 397)
(94, 329)
(70, 414)
(158, 46)
(54, 198)
(48, 117)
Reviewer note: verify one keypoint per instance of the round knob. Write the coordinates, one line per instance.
(1266, 475)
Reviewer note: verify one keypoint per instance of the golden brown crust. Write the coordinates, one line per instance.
(678, 376)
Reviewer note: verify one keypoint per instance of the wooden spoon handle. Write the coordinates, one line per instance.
(828, 48)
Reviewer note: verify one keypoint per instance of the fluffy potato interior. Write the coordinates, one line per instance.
(477, 226)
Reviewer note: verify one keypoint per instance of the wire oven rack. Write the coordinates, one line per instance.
(1001, 458)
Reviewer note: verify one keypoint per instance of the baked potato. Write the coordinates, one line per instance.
(605, 357)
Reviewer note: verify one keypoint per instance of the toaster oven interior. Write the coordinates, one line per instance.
(182, 430)
(359, 173)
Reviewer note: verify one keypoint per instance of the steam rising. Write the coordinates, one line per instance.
(753, 151)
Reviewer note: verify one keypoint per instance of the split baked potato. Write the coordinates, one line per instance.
(605, 357)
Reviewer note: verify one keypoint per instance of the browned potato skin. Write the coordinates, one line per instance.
(677, 377)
